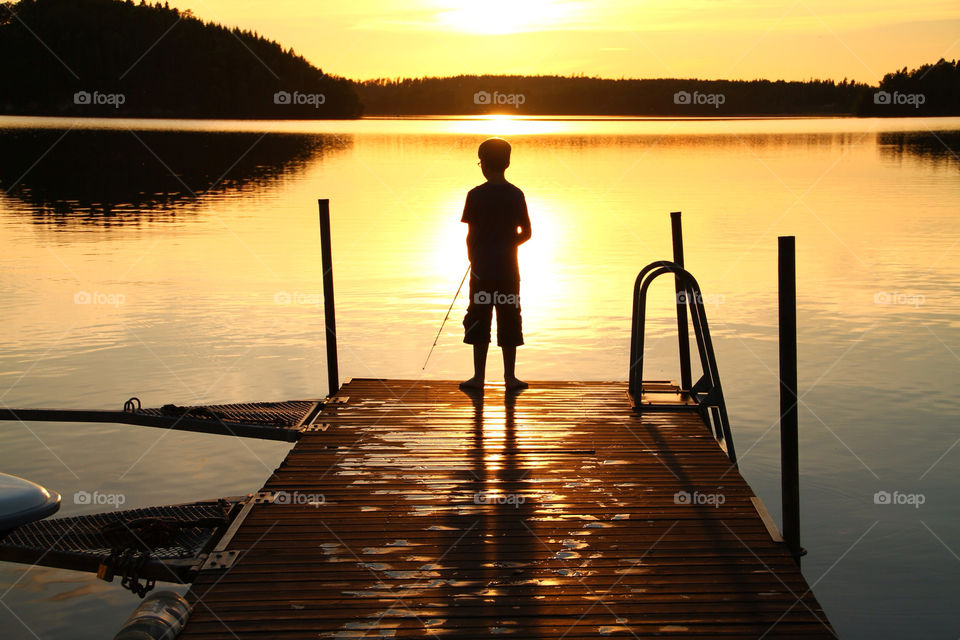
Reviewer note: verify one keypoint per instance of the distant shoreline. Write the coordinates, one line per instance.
(478, 118)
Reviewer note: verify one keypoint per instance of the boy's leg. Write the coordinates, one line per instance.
(476, 326)
(509, 362)
(510, 333)
(480, 361)
(479, 367)
(510, 379)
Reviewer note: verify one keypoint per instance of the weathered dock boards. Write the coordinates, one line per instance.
(551, 514)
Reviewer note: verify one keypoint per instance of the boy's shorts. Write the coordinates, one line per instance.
(485, 296)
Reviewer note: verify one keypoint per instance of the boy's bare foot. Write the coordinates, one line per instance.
(472, 383)
(515, 384)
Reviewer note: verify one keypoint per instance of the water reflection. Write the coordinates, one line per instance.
(112, 177)
(935, 147)
(874, 212)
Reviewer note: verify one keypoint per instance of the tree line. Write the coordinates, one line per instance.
(930, 90)
(559, 95)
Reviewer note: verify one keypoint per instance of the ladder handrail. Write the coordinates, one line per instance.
(707, 392)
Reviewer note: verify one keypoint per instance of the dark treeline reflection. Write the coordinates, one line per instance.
(705, 141)
(123, 177)
(936, 147)
(643, 142)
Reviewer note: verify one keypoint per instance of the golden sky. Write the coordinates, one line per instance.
(737, 39)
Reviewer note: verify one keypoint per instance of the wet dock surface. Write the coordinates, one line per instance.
(415, 510)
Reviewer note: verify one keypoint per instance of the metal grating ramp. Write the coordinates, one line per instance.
(277, 414)
(173, 536)
(264, 420)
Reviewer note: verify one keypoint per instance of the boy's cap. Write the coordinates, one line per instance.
(495, 152)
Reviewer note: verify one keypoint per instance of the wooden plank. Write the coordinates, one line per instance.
(424, 512)
(767, 519)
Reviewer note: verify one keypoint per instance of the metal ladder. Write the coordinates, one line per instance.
(706, 395)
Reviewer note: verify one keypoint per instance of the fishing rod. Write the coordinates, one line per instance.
(452, 302)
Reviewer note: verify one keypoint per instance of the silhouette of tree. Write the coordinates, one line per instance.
(930, 90)
(163, 62)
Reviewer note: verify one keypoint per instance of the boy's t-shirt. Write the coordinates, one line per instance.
(494, 211)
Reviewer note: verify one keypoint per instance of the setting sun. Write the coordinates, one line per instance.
(496, 17)
(688, 38)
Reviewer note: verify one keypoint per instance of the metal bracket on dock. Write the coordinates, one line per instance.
(219, 557)
(664, 395)
(219, 560)
(313, 422)
(264, 497)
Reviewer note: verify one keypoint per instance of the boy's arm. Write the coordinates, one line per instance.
(525, 233)
(467, 210)
(524, 223)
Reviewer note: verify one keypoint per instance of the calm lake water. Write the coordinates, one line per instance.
(178, 261)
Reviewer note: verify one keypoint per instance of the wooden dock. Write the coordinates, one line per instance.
(414, 510)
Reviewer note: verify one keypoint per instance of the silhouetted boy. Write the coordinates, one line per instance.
(496, 213)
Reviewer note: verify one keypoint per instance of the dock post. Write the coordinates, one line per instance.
(789, 448)
(333, 374)
(682, 335)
